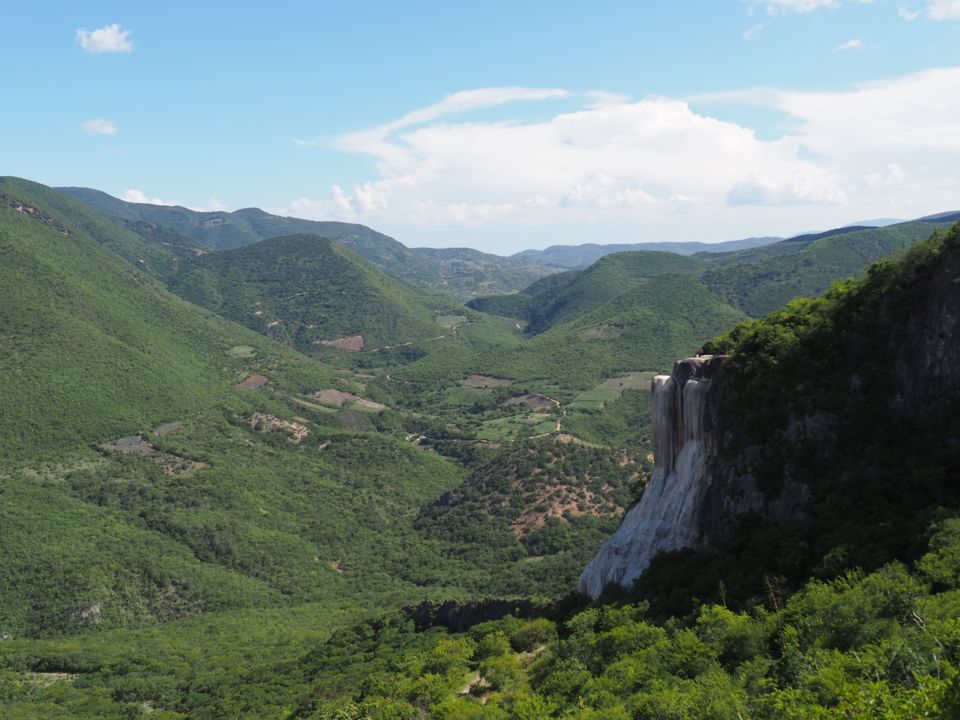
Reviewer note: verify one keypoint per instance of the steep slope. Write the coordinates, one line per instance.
(847, 610)
(854, 443)
(93, 348)
(459, 276)
(143, 481)
(763, 280)
(303, 289)
(149, 254)
(544, 500)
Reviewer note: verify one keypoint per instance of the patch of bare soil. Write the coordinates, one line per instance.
(334, 398)
(534, 401)
(350, 343)
(45, 679)
(252, 382)
(130, 445)
(339, 398)
(268, 423)
(139, 445)
(167, 428)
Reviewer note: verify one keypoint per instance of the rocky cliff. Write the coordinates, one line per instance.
(851, 399)
(683, 506)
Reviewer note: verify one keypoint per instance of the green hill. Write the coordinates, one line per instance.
(93, 347)
(762, 280)
(848, 612)
(579, 257)
(462, 273)
(301, 289)
(559, 298)
(180, 514)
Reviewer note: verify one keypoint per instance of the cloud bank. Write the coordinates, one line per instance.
(655, 165)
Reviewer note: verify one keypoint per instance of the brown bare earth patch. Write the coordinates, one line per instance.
(334, 398)
(350, 343)
(167, 428)
(45, 679)
(534, 401)
(138, 445)
(130, 445)
(339, 398)
(252, 382)
(268, 423)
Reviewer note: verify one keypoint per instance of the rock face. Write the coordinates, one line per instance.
(692, 499)
(666, 518)
(896, 347)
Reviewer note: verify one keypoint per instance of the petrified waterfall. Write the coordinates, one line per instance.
(666, 518)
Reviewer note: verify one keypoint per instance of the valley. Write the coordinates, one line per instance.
(235, 446)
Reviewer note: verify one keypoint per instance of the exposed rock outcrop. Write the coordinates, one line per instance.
(848, 404)
(692, 499)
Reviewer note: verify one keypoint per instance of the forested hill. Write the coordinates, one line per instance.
(755, 281)
(304, 290)
(849, 612)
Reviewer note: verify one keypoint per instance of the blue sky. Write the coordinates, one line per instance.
(497, 125)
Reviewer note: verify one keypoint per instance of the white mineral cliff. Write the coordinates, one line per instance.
(666, 518)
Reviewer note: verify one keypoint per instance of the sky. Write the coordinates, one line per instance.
(496, 125)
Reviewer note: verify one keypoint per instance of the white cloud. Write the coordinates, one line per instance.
(138, 196)
(813, 187)
(890, 175)
(100, 126)
(108, 39)
(606, 171)
(944, 9)
(908, 15)
(798, 6)
(853, 44)
(751, 32)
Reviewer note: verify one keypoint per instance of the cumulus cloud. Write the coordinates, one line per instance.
(814, 187)
(944, 9)
(908, 15)
(138, 196)
(108, 39)
(100, 126)
(854, 44)
(657, 163)
(751, 32)
(797, 6)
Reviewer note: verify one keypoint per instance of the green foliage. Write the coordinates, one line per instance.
(560, 298)
(763, 280)
(303, 288)
(883, 645)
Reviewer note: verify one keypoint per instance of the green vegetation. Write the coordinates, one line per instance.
(851, 612)
(879, 645)
(564, 297)
(760, 281)
(449, 272)
(199, 521)
(301, 288)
